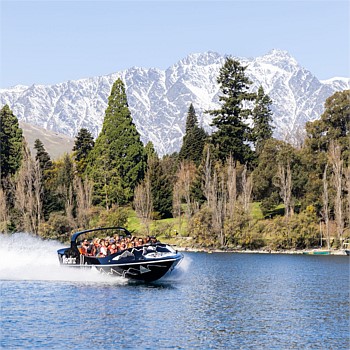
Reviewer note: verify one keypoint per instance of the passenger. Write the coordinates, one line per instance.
(153, 240)
(103, 248)
(95, 249)
(89, 248)
(109, 247)
(84, 247)
(123, 244)
(112, 249)
(140, 242)
(128, 242)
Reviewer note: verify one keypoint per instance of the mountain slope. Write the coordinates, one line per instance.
(159, 99)
(55, 144)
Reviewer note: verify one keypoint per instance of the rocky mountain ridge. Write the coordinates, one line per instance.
(159, 99)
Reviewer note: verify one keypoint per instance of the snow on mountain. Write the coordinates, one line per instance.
(159, 99)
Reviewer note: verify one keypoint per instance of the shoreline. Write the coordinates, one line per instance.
(338, 252)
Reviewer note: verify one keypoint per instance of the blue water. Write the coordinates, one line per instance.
(220, 300)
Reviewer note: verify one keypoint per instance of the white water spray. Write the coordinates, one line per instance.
(25, 257)
(179, 271)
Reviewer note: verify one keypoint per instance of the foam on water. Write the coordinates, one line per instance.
(25, 257)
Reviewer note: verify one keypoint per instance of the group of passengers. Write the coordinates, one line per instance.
(110, 245)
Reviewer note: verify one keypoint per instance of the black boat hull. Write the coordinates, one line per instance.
(147, 263)
(146, 270)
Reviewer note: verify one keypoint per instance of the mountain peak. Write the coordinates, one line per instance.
(159, 99)
(280, 58)
(201, 59)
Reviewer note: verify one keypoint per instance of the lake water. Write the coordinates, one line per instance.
(212, 301)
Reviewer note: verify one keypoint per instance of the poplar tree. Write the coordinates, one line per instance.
(194, 139)
(232, 130)
(117, 161)
(11, 143)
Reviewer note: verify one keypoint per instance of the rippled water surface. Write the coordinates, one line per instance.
(221, 300)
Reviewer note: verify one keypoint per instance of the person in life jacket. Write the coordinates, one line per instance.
(84, 247)
(103, 248)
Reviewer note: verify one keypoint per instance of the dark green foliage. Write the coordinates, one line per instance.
(117, 161)
(232, 131)
(150, 152)
(276, 152)
(161, 186)
(64, 180)
(46, 167)
(11, 143)
(262, 119)
(42, 156)
(334, 125)
(83, 144)
(194, 139)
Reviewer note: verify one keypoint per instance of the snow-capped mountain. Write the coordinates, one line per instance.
(159, 99)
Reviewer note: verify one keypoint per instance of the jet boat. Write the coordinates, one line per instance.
(148, 262)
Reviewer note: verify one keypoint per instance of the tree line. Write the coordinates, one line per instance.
(211, 187)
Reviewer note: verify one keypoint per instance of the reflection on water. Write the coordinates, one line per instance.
(213, 301)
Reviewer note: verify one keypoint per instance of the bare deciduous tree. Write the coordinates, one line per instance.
(143, 202)
(83, 189)
(231, 187)
(186, 176)
(177, 203)
(207, 178)
(218, 205)
(283, 180)
(28, 193)
(347, 181)
(337, 166)
(3, 211)
(247, 186)
(326, 205)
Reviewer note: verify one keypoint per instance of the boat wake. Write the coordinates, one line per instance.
(26, 257)
(179, 271)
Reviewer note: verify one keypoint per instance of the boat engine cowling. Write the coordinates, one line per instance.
(68, 256)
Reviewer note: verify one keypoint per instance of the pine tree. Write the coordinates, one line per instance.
(150, 152)
(262, 118)
(11, 143)
(161, 187)
(42, 156)
(49, 195)
(83, 144)
(232, 131)
(194, 139)
(117, 161)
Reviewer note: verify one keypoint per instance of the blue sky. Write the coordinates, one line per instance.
(47, 42)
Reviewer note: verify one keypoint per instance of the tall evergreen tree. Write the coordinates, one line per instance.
(194, 139)
(150, 152)
(83, 144)
(11, 143)
(161, 186)
(232, 130)
(42, 156)
(333, 126)
(117, 161)
(49, 196)
(262, 118)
